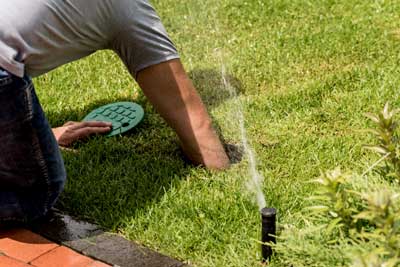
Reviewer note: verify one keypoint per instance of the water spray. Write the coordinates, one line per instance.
(268, 215)
(268, 232)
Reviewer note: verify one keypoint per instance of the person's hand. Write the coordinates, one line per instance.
(73, 131)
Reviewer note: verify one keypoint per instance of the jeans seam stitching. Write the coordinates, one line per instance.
(43, 168)
(38, 153)
(28, 101)
(5, 81)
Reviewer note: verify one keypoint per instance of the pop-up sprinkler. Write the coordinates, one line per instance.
(268, 231)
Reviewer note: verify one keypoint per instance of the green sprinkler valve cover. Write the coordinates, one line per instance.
(123, 115)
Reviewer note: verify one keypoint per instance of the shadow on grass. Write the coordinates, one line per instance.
(209, 83)
(113, 179)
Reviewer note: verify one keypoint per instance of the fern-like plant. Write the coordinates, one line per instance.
(336, 202)
(388, 140)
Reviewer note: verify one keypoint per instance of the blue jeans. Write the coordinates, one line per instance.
(32, 173)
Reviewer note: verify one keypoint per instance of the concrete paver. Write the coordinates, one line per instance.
(119, 251)
(98, 264)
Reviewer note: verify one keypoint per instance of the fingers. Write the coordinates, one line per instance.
(87, 131)
(97, 123)
(70, 136)
(73, 131)
(88, 124)
(68, 123)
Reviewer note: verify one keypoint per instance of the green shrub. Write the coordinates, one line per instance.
(351, 220)
(388, 141)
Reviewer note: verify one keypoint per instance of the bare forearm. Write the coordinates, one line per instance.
(173, 95)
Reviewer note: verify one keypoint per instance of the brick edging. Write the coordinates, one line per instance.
(90, 240)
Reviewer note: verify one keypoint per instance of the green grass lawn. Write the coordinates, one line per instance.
(305, 73)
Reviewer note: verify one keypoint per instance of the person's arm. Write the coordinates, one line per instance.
(173, 95)
(73, 131)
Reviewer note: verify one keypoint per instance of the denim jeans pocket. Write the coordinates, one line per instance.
(20, 151)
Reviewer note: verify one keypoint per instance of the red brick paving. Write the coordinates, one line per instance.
(6, 261)
(62, 257)
(24, 245)
(23, 248)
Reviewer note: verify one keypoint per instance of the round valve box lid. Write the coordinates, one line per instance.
(123, 115)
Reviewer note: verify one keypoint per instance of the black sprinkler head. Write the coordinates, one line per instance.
(268, 231)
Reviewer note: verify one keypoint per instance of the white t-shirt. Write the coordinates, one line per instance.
(37, 36)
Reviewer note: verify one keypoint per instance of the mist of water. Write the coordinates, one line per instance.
(255, 181)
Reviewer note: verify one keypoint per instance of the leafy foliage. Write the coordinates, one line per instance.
(351, 213)
(337, 202)
(388, 140)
